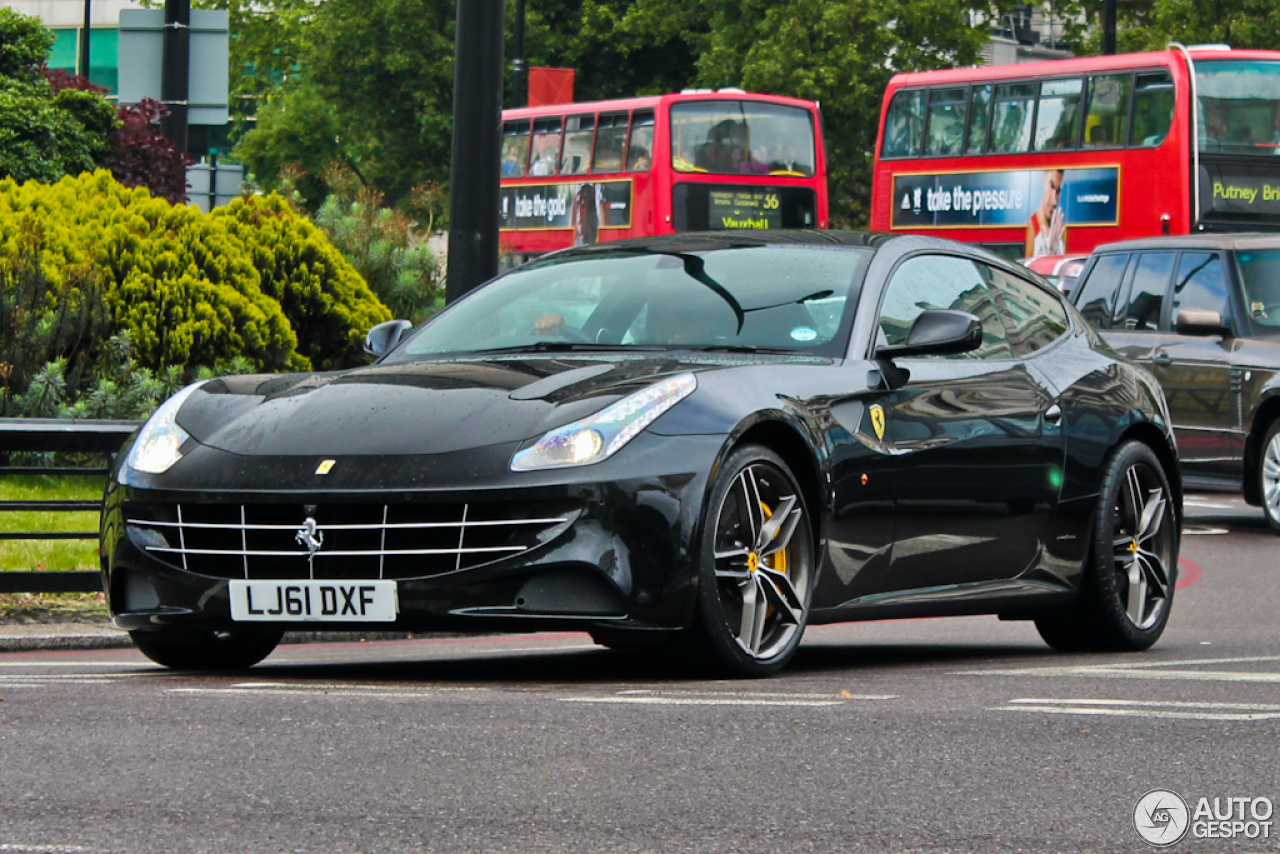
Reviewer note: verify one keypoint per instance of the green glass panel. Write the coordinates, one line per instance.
(104, 62)
(64, 50)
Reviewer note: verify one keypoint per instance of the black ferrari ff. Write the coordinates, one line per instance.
(698, 442)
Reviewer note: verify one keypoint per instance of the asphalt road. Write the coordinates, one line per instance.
(959, 735)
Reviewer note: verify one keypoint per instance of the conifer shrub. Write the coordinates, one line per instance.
(86, 259)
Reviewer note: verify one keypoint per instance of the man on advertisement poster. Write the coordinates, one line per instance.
(1047, 228)
(585, 215)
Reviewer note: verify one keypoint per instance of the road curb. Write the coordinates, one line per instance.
(73, 639)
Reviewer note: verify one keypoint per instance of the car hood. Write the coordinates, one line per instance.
(419, 408)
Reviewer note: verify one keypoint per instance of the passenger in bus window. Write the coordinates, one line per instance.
(1047, 228)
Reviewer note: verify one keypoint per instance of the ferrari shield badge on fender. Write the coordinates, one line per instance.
(877, 420)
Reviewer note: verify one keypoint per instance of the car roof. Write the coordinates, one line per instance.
(1247, 240)
(706, 241)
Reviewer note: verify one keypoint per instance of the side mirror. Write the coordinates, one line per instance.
(937, 332)
(1199, 321)
(385, 336)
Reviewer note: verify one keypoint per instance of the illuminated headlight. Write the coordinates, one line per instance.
(600, 436)
(156, 448)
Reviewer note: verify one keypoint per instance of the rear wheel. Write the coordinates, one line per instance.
(757, 570)
(1128, 588)
(1269, 476)
(206, 650)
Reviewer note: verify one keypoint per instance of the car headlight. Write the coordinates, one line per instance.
(600, 436)
(156, 448)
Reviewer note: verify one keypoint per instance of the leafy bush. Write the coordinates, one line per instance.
(86, 257)
(385, 245)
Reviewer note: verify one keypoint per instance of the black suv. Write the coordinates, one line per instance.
(1202, 313)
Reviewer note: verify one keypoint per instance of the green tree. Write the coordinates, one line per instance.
(373, 90)
(44, 135)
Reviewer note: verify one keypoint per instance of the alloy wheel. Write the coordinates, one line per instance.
(1142, 546)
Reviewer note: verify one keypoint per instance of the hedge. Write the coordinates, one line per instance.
(253, 279)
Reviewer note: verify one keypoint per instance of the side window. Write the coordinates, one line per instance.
(1143, 308)
(1097, 296)
(610, 139)
(1152, 108)
(1106, 122)
(1058, 115)
(546, 146)
(515, 148)
(942, 281)
(1201, 283)
(904, 125)
(1011, 119)
(978, 119)
(946, 121)
(640, 151)
(578, 133)
(1033, 316)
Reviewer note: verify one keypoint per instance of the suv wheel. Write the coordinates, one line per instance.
(1269, 475)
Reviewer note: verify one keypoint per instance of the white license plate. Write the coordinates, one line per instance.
(321, 601)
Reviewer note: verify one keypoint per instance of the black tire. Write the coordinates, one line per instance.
(1127, 589)
(206, 650)
(1268, 475)
(756, 573)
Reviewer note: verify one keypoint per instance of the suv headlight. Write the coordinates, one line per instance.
(156, 448)
(600, 436)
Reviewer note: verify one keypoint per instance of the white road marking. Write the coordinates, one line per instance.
(1142, 713)
(37, 848)
(1149, 670)
(345, 691)
(1202, 531)
(1173, 704)
(698, 701)
(1202, 502)
(762, 695)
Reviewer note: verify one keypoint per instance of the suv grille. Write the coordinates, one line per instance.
(341, 541)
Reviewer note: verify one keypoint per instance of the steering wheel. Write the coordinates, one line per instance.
(571, 333)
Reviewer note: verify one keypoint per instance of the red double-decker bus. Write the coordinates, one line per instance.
(1057, 157)
(700, 160)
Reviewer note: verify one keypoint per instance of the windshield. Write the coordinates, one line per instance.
(1260, 278)
(1238, 106)
(741, 138)
(784, 298)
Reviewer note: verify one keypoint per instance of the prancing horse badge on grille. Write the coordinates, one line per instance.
(310, 536)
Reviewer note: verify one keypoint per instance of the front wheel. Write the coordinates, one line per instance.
(1127, 590)
(1269, 476)
(206, 650)
(757, 570)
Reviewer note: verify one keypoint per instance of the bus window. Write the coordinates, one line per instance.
(946, 121)
(741, 137)
(1238, 106)
(515, 148)
(1059, 111)
(1106, 122)
(1011, 123)
(610, 139)
(546, 146)
(640, 151)
(978, 123)
(904, 125)
(1152, 108)
(578, 134)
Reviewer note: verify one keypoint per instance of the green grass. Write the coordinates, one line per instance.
(49, 554)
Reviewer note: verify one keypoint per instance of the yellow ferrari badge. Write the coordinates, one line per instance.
(326, 466)
(877, 420)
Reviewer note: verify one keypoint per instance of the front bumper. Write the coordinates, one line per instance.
(623, 553)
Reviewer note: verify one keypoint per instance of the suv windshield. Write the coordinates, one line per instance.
(1260, 278)
(785, 298)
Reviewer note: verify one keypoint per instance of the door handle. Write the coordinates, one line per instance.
(1161, 358)
(1053, 414)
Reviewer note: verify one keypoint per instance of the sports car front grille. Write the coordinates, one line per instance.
(341, 541)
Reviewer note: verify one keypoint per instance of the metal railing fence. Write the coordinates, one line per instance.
(46, 435)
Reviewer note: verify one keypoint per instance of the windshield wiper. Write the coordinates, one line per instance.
(737, 348)
(565, 346)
